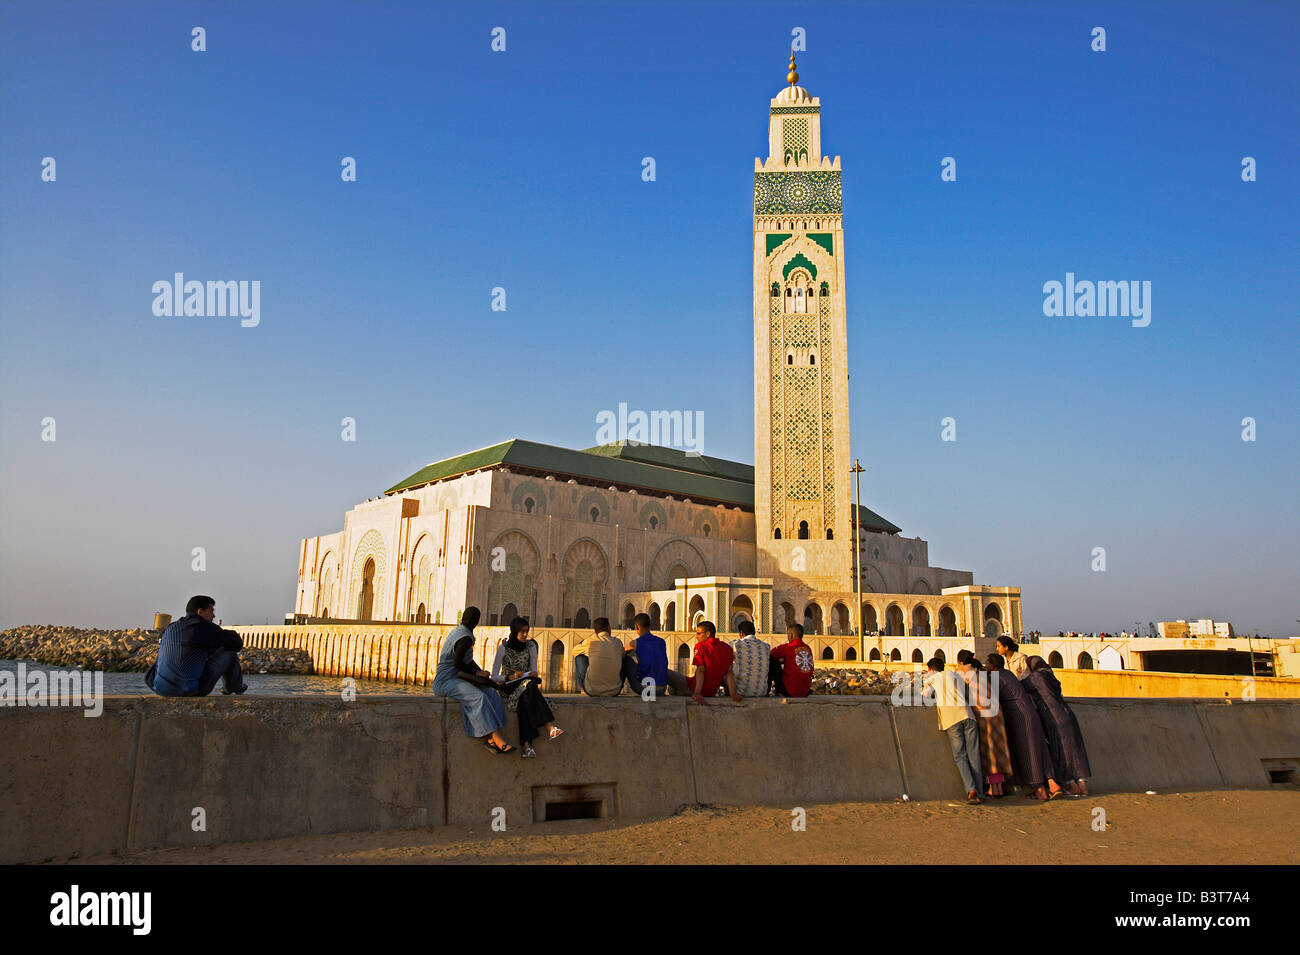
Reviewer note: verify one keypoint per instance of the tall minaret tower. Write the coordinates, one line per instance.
(801, 388)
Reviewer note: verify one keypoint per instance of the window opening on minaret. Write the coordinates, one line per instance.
(803, 530)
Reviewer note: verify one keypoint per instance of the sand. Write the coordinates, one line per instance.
(1200, 828)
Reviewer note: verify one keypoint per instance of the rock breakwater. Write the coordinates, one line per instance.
(124, 651)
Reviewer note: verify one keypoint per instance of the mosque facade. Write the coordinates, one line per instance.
(563, 536)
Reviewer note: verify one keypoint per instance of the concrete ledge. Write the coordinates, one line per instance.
(270, 767)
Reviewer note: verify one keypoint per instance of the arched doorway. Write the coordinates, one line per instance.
(947, 622)
(421, 615)
(742, 608)
(869, 622)
(895, 656)
(874, 655)
(670, 616)
(629, 611)
(684, 659)
(918, 656)
(850, 654)
(828, 653)
(654, 616)
(939, 654)
(1054, 660)
(894, 621)
(695, 610)
(788, 615)
(921, 620)
(1085, 660)
(366, 602)
(992, 621)
(812, 619)
(508, 613)
(839, 618)
(581, 619)
(555, 675)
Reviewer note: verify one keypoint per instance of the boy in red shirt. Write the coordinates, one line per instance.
(712, 664)
(792, 664)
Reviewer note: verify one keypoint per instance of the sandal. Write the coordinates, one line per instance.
(528, 751)
(1059, 792)
(494, 748)
(556, 732)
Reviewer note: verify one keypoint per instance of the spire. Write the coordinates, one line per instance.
(792, 77)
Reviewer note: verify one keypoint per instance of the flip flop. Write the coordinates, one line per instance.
(499, 750)
(1059, 792)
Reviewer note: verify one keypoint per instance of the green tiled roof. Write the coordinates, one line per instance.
(644, 466)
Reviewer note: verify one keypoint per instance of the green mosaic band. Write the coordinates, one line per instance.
(782, 110)
(797, 193)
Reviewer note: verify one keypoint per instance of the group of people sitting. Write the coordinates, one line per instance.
(602, 665)
(1012, 723)
(747, 667)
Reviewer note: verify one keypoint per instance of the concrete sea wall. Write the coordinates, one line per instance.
(262, 768)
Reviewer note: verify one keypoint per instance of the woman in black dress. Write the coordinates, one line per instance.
(517, 660)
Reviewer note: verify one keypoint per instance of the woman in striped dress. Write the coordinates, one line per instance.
(995, 752)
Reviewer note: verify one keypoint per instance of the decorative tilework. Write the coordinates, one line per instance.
(815, 192)
(774, 240)
(799, 260)
(825, 239)
(783, 110)
(794, 140)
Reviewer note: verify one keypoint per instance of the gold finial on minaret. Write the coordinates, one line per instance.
(792, 77)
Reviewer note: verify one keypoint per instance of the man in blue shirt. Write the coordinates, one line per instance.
(194, 653)
(652, 660)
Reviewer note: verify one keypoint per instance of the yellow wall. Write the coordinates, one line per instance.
(1119, 683)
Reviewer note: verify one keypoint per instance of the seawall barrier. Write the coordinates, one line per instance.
(142, 774)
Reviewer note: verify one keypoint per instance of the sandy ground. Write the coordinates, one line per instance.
(1216, 827)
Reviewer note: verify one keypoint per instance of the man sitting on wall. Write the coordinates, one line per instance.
(792, 664)
(601, 664)
(751, 667)
(651, 655)
(712, 661)
(194, 653)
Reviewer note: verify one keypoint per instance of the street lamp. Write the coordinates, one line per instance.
(856, 471)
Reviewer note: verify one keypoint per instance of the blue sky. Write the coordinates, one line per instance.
(522, 170)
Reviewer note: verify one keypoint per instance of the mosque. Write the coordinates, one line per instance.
(563, 536)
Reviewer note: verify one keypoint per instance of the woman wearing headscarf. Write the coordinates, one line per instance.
(995, 754)
(459, 677)
(1029, 752)
(1064, 739)
(517, 660)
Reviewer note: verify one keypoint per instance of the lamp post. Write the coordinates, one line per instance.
(856, 471)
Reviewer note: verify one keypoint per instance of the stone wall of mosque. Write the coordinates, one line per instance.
(557, 551)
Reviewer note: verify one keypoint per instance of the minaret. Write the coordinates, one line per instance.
(801, 389)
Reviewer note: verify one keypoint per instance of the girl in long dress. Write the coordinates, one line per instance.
(995, 753)
(480, 706)
(517, 660)
(1064, 738)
